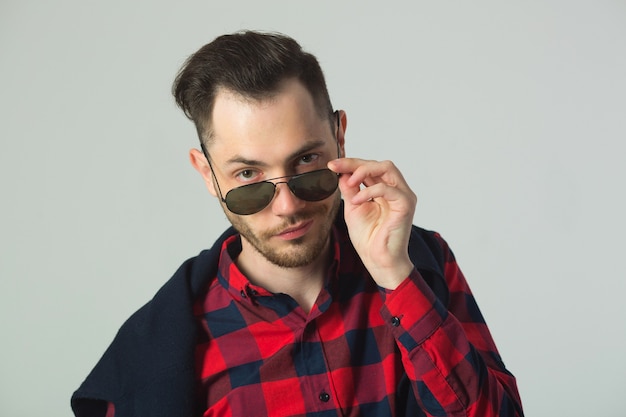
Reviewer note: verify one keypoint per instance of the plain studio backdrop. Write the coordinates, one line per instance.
(507, 119)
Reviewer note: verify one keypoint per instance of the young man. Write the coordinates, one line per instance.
(311, 305)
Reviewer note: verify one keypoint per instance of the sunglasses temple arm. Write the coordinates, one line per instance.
(336, 135)
(206, 155)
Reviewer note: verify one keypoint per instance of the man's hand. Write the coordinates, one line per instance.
(379, 216)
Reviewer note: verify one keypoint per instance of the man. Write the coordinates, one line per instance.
(310, 305)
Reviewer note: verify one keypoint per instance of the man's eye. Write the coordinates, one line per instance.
(307, 159)
(246, 174)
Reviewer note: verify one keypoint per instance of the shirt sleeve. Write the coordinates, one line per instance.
(447, 351)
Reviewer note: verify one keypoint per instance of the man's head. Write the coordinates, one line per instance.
(250, 64)
(263, 114)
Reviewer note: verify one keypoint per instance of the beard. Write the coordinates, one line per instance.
(299, 252)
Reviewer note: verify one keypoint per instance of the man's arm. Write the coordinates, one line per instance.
(447, 351)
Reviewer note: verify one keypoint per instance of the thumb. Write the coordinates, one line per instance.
(348, 191)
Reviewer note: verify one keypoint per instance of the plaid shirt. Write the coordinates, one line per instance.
(360, 351)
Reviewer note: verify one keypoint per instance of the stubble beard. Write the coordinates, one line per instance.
(300, 252)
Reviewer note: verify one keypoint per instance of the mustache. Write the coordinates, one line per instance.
(293, 220)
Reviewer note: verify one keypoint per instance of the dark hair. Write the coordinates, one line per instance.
(252, 64)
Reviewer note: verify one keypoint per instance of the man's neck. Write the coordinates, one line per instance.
(303, 283)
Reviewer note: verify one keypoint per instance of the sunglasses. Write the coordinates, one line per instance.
(309, 186)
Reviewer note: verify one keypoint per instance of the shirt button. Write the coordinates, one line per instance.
(243, 294)
(395, 321)
(325, 397)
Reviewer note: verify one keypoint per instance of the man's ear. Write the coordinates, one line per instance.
(341, 131)
(200, 164)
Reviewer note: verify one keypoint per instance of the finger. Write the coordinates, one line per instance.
(348, 191)
(347, 165)
(373, 172)
(370, 172)
(378, 191)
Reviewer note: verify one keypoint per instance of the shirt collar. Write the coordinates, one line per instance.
(240, 287)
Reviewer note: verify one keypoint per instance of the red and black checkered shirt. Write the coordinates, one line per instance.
(360, 351)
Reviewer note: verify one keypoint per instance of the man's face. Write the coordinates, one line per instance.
(259, 140)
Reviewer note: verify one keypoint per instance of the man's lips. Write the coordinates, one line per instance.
(295, 232)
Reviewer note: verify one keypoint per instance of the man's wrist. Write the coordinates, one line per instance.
(391, 278)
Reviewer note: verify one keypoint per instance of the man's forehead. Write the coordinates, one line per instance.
(287, 111)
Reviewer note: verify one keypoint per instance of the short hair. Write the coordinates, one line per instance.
(251, 64)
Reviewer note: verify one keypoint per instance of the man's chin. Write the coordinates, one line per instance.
(298, 254)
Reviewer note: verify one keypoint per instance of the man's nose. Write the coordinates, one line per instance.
(285, 202)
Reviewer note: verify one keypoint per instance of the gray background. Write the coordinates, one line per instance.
(507, 118)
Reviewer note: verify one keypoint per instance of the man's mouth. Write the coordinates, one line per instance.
(295, 232)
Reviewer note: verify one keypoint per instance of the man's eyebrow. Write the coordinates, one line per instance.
(244, 161)
(307, 147)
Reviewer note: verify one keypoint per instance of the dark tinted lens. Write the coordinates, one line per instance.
(310, 186)
(314, 185)
(251, 198)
